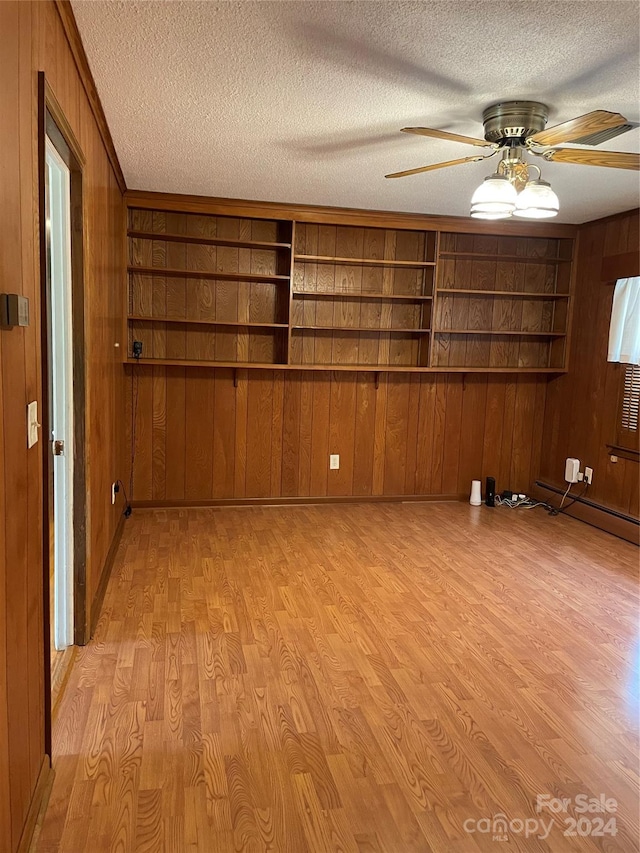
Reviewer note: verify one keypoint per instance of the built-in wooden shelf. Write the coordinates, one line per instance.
(445, 369)
(359, 368)
(322, 294)
(362, 368)
(522, 259)
(208, 241)
(144, 319)
(524, 294)
(377, 329)
(205, 274)
(500, 332)
(366, 278)
(363, 262)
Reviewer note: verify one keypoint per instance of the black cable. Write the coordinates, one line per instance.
(558, 510)
(127, 505)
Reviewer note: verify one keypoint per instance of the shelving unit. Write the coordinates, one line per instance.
(208, 288)
(215, 290)
(501, 302)
(362, 296)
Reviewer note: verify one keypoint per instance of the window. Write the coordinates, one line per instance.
(624, 347)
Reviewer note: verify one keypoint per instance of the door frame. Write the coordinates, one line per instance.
(52, 123)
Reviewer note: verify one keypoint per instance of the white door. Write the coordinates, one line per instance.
(61, 384)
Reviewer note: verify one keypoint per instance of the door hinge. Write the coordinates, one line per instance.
(58, 448)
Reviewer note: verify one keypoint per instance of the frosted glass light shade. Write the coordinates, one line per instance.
(537, 201)
(483, 214)
(496, 194)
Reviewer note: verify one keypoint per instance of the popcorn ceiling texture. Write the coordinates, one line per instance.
(303, 101)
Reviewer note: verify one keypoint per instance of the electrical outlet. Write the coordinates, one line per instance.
(115, 488)
(334, 461)
(588, 475)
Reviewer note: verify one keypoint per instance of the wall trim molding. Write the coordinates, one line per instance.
(70, 27)
(296, 501)
(96, 604)
(597, 515)
(38, 804)
(174, 202)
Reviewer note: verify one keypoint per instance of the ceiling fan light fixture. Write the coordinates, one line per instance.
(483, 214)
(495, 195)
(537, 201)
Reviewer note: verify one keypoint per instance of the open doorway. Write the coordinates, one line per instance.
(61, 163)
(58, 207)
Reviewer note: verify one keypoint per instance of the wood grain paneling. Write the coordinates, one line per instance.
(34, 39)
(199, 438)
(502, 302)
(581, 407)
(339, 215)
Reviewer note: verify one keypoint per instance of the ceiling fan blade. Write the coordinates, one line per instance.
(435, 166)
(588, 157)
(576, 128)
(444, 134)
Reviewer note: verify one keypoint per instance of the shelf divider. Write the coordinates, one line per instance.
(498, 332)
(522, 259)
(139, 318)
(470, 291)
(366, 262)
(395, 330)
(324, 294)
(207, 241)
(206, 274)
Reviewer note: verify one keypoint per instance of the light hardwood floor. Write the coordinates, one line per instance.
(351, 678)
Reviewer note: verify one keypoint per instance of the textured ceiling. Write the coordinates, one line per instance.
(303, 101)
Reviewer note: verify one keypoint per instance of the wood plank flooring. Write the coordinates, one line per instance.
(351, 678)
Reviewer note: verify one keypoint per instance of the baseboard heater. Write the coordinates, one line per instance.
(613, 512)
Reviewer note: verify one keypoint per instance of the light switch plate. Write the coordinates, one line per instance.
(334, 461)
(32, 423)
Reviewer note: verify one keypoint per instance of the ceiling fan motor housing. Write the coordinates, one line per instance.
(511, 122)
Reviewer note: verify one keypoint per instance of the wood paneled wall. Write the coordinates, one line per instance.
(581, 406)
(33, 39)
(199, 438)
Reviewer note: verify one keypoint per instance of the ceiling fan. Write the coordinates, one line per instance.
(516, 128)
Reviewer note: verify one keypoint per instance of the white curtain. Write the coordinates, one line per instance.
(624, 332)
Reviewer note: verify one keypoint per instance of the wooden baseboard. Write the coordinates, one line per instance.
(96, 604)
(38, 806)
(597, 515)
(349, 499)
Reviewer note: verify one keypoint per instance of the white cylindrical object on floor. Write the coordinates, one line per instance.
(476, 493)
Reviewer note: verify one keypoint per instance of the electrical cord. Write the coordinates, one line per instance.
(559, 510)
(520, 503)
(529, 503)
(564, 496)
(127, 505)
